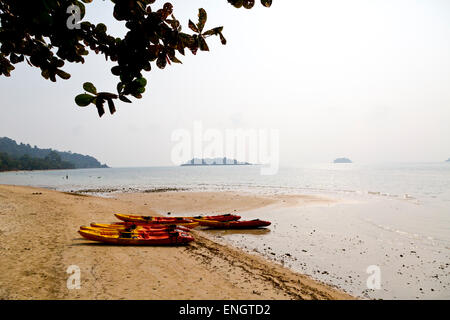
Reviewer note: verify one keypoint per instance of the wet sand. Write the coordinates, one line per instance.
(338, 244)
(39, 241)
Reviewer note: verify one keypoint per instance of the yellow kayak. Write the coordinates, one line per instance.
(108, 231)
(128, 238)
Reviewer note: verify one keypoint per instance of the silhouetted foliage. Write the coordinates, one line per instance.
(37, 32)
(17, 151)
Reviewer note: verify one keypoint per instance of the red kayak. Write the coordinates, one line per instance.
(250, 224)
(220, 217)
(174, 220)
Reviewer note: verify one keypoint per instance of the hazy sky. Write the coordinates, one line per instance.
(365, 79)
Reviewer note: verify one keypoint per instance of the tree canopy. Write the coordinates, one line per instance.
(25, 162)
(48, 33)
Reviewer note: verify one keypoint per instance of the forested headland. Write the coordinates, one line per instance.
(14, 156)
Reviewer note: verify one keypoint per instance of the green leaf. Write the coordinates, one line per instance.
(248, 4)
(193, 27)
(89, 87)
(124, 99)
(83, 99)
(120, 86)
(99, 104)
(45, 73)
(238, 3)
(175, 60)
(111, 106)
(161, 62)
(222, 39)
(202, 16)
(116, 70)
(62, 74)
(213, 31)
(202, 44)
(101, 28)
(142, 82)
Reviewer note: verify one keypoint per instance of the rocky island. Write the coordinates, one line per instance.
(342, 160)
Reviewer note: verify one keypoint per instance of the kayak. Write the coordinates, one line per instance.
(186, 227)
(177, 220)
(108, 231)
(128, 238)
(134, 226)
(221, 217)
(250, 224)
(150, 219)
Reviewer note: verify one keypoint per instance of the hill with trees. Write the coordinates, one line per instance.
(25, 162)
(33, 158)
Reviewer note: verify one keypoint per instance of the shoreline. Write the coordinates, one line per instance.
(38, 241)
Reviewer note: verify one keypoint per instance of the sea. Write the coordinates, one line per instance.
(387, 236)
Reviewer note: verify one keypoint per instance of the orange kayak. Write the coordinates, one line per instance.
(250, 224)
(125, 238)
(186, 227)
(150, 219)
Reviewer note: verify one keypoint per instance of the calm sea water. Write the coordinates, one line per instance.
(424, 182)
(398, 218)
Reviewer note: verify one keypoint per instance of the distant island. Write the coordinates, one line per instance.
(342, 160)
(448, 160)
(14, 156)
(215, 162)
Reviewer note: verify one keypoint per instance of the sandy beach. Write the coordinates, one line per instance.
(39, 241)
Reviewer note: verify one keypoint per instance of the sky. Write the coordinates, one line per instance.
(364, 79)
